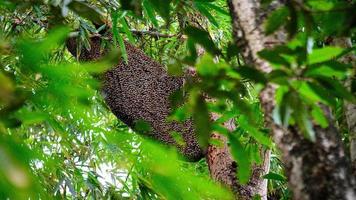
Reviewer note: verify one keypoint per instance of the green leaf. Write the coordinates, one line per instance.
(324, 54)
(133, 5)
(203, 38)
(117, 36)
(279, 76)
(319, 117)
(87, 11)
(31, 117)
(284, 109)
(336, 88)
(321, 5)
(201, 120)
(126, 29)
(175, 68)
(275, 176)
(200, 7)
(150, 12)
(216, 142)
(242, 158)
(301, 117)
(316, 93)
(307, 127)
(178, 138)
(232, 50)
(273, 56)
(259, 136)
(252, 74)
(328, 69)
(207, 67)
(162, 7)
(216, 8)
(276, 19)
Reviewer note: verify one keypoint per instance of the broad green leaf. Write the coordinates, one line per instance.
(254, 132)
(275, 176)
(133, 5)
(320, 5)
(180, 114)
(30, 58)
(256, 154)
(292, 23)
(284, 109)
(319, 117)
(301, 117)
(175, 68)
(307, 127)
(220, 129)
(279, 76)
(87, 11)
(206, 13)
(104, 64)
(232, 50)
(335, 87)
(316, 93)
(150, 12)
(328, 69)
(324, 54)
(216, 142)
(32, 117)
(162, 7)
(274, 57)
(217, 8)
(203, 38)
(252, 74)
(241, 157)
(207, 67)
(201, 119)
(276, 19)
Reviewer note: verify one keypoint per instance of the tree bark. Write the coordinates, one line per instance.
(315, 170)
(350, 108)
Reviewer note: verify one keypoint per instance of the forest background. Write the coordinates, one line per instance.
(270, 90)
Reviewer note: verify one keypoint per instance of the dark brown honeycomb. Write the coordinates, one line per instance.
(140, 90)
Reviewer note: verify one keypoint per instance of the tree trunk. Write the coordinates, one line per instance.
(315, 170)
(350, 108)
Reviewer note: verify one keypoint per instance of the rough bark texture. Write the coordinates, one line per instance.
(140, 90)
(350, 108)
(317, 170)
(350, 112)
